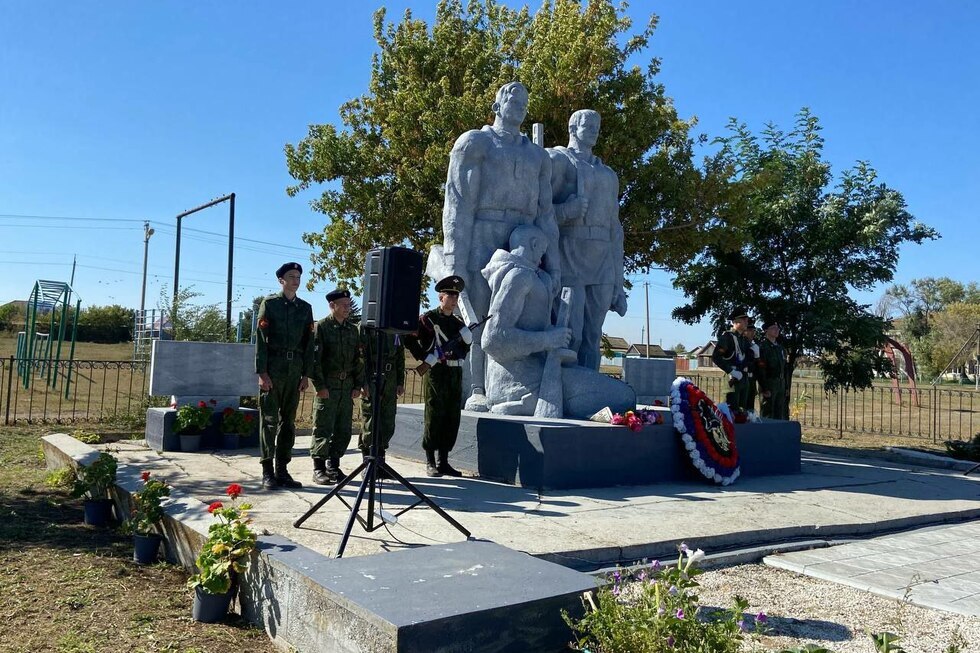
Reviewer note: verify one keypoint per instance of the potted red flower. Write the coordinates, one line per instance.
(235, 425)
(147, 513)
(192, 421)
(223, 557)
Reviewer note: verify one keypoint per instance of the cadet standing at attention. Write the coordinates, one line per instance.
(441, 343)
(338, 375)
(393, 386)
(751, 365)
(283, 360)
(730, 356)
(772, 373)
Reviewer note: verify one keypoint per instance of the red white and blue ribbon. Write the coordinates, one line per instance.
(708, 435)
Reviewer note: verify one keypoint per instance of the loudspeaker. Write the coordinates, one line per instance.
(392, 289)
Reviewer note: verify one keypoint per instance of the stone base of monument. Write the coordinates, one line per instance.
(160, 434)
(424, 600)
(568, 454)
(475, 596)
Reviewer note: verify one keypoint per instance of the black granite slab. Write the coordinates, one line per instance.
(568, 454)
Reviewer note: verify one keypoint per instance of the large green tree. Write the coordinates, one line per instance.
(797, 244)
(430, 84)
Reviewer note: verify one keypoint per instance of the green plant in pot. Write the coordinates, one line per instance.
(93, 482)
(235, 424)
(223, 557)
(191, 421)
(146, 516)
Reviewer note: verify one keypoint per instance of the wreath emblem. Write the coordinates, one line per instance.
(708, 434)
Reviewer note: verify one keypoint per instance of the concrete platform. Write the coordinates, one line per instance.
(832, 497)
(555, 454)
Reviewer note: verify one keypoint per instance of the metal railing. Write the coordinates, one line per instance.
(112, 390)
(931, 413)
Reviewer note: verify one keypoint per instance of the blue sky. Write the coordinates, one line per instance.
(123, 112)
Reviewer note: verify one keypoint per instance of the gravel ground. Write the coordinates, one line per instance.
(804, 610)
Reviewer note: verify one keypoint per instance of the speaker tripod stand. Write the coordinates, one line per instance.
(371, 466)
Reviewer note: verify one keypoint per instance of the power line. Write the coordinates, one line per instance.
(6, 216)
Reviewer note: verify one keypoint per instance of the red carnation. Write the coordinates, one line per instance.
(227, 411)
(145, 476)
(202, 404)
(213, 402)
(234, 490)
(217, 505)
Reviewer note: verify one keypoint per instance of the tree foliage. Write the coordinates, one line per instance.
(952, 342)
(429, 85)
(797, 245)
(114, 316)
(189, 321)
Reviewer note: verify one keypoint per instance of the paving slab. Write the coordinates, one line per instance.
(833, 497)
(934, 567)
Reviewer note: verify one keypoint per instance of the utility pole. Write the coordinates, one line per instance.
(147, 232)
(646, 290)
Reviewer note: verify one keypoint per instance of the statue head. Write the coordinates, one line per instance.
(528, 242)
(510, 104)
(583, 128)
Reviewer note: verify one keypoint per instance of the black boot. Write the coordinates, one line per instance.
(283, 477)
(431, 469)
(320, 476)
(268, 476)
(334, 472)
(444, 467)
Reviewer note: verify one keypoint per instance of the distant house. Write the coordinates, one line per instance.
(619, 347)
(650, 351)
(703, 354)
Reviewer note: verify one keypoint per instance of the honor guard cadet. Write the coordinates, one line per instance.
(283, 360)
(441, 343)
(730, 356)
(772, 373)
(338, 376)
(751, 365)
(392, 356)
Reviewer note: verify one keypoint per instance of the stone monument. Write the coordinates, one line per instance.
(497, 180)
(529, 370)
(585, 192)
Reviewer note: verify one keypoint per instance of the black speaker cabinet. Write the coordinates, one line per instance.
(392, 287)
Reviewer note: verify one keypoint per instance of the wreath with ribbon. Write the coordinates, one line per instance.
(707, 433)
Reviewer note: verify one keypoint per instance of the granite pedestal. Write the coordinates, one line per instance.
(650, 378)
(567, 454)
(160, 435)
(468, 596)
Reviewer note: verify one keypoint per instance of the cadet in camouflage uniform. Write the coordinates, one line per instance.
(751, 365)
(772, 373)
(441, 343)
(393, 386)
(730, 356)
(283, 360)
(338, 376)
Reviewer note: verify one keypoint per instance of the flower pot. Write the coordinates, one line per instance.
(230, 440)
(98, 512)
(190, 442)
(146, 548)
(212, 608)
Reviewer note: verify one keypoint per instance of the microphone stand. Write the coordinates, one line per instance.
(371, 465)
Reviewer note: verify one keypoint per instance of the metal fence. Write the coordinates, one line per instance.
(103, 391)
(932, 413)
(106, 391)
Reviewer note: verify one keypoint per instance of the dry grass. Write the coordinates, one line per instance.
(71, 588)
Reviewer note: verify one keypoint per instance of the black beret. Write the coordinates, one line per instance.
(336, 294)
(769, 323)
(450, 284)
(286, 267)
(739, 312)
(750, 325)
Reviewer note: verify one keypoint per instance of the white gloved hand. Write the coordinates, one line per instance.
(755, 348)
(466, 335)
(735, 374)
